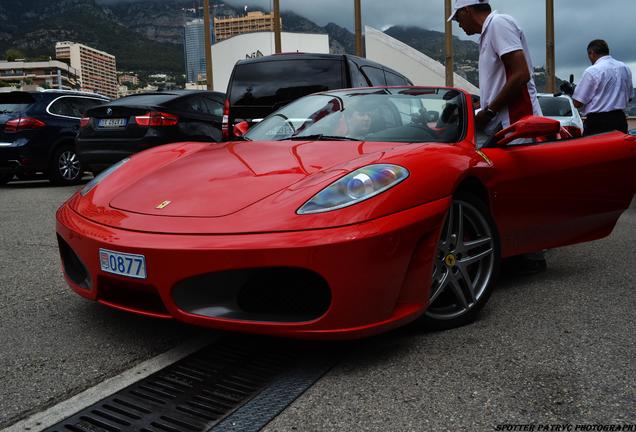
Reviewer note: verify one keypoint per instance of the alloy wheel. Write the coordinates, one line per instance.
(69, 165)
(464, 263)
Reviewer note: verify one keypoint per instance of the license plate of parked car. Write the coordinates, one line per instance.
(112, 123)
(123, 264)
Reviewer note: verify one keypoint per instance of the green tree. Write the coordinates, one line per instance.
(40, 58)
(12, 54)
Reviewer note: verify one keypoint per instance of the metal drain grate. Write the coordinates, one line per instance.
(192, 395)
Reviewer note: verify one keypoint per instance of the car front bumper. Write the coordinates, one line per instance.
(378, 273)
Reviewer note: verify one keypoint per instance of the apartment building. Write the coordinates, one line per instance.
(226, 27)
(128, 78)
(47, 74)
(96, 69)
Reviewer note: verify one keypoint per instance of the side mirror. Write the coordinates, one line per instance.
(528, 127)
(241, 128)
(476, 101)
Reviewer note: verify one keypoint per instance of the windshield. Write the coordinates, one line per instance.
(382, 115)
(144, 99)
(275, 83)
(555, 106)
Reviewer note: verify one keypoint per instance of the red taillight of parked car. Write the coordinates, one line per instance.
(225, 124)
(84, 122)
(23, 123)
(157, 118)
(574, 131)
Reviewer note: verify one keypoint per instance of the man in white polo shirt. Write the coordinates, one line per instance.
(604, 91)
(508, 92)
(507, 89)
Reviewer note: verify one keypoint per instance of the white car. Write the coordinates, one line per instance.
(562, 108)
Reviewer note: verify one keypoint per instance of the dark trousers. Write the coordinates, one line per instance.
(597, 123)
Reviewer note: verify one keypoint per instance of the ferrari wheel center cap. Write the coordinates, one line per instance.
(450, 260)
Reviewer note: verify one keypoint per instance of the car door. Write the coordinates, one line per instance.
(561, 192)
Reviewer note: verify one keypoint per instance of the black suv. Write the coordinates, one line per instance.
(259, 86)
(37, 133)
(113, 131)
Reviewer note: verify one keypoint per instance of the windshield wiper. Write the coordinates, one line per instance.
(320, 137)
(241, 138)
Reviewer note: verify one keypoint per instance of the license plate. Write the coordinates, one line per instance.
(112, 123)
(123, 264)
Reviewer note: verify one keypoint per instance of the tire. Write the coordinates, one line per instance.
(465, 270)
(65, 168)
(5, 178)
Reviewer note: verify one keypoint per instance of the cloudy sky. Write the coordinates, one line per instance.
(576, 23)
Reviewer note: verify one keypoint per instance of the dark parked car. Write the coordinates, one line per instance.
(260, 86)
(37, 133)
(133, 123)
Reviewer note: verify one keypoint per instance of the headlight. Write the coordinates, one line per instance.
(97, 180)
(357, 186)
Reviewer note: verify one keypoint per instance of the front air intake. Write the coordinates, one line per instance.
(278, 294)
(131, 295)
(73, 267)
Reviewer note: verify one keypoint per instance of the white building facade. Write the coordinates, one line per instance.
(418, 67)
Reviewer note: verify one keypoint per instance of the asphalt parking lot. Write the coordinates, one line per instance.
(555, 348)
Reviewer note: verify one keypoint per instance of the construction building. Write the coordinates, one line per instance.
(226, 27)
(96, 69)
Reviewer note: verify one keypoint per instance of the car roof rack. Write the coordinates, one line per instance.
(80, 92)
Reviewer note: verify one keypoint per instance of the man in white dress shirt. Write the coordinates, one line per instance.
(604, 91)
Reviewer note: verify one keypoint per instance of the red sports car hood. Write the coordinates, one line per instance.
(220, 180)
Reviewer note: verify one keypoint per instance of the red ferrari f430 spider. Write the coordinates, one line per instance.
(341, 215)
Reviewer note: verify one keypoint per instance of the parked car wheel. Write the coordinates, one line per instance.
(465, 267)
(65, 168)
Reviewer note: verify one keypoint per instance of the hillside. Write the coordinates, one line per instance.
(161, 20)
(33, 27)
(146, 35)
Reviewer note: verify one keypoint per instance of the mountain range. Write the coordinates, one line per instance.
(146, 35)
(131, 30)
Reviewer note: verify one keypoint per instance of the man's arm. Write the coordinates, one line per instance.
(630, 83)
(519, 75)
(585, 90)
(515, 62)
